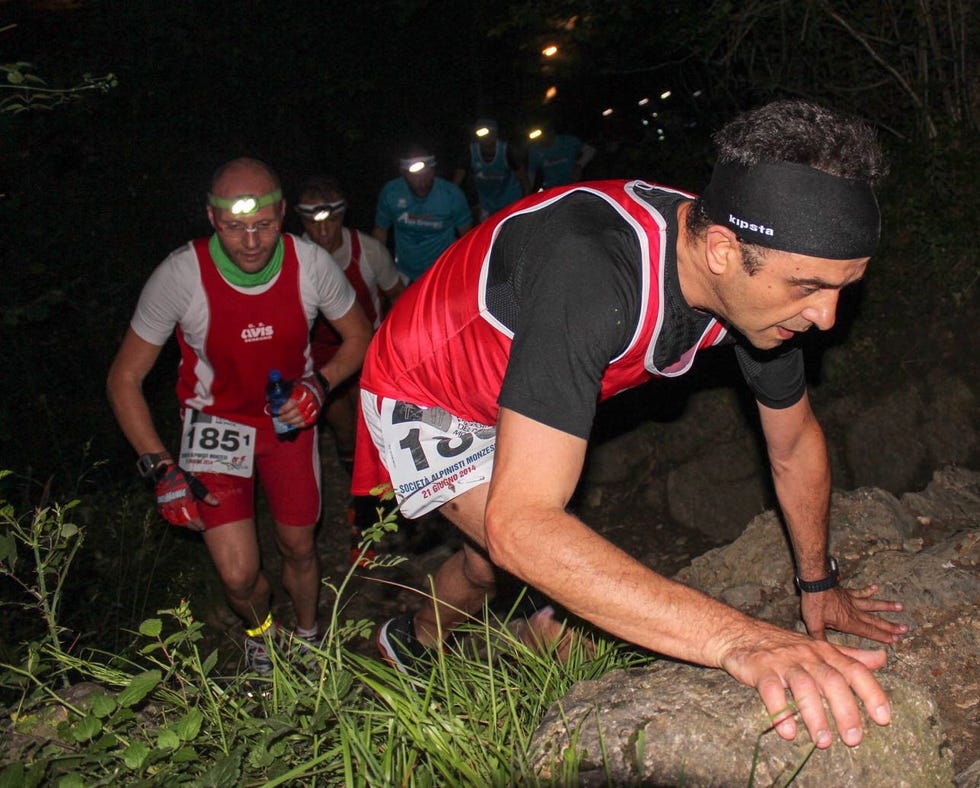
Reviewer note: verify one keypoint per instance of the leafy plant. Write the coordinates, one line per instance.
(24, 90)
(51, 542)
(162, 712)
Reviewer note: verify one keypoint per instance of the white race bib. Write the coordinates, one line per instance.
(210, 444)
(433, 456)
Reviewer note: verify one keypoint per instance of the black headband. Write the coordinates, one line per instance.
(795, 208)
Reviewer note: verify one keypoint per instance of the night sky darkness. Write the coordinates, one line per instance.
(331, 86)
(97, 192)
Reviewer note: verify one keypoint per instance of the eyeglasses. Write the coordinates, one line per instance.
(320, 212)
(240, 230)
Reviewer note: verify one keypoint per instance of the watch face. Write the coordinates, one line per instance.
(147, 464)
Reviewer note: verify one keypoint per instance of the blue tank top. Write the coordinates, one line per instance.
(496, 183)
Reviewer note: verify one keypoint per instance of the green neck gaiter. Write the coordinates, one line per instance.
(235, 275)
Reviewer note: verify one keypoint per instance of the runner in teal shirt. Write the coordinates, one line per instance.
(558, 160)
(427, 213)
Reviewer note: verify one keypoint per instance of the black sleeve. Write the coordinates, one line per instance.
(777, 378)
(576, 287)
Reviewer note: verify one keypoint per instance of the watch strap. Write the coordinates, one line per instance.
(149, 464)
(324, 383)
(824, 583)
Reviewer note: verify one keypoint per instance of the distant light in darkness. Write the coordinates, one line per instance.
(643, 102)
(607, 112)
(550, 51)
(665, 95)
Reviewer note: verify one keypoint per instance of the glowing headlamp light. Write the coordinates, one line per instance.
(322, 211)
(416, 164)
(245, 204)
(484, 128)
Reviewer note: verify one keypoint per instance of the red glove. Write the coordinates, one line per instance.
(177, 491)
(308, 395)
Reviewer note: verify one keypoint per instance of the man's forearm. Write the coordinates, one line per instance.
(134, 419)
(346, 361)
(803, 482)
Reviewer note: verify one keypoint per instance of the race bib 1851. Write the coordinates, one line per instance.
(210, 444)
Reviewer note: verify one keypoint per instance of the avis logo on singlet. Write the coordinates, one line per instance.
(257, 332)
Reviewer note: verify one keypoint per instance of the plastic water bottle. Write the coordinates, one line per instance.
(276, 393)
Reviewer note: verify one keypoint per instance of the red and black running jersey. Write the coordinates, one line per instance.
(551, 305)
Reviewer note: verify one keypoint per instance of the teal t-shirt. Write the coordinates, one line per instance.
(556, 161)
(424, 227)
(496, 183)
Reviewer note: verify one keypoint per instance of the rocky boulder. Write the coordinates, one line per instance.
(675, 724)
(891, 441)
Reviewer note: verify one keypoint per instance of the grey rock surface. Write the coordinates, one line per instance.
(890, 443)
(674, 724)
(730, 471)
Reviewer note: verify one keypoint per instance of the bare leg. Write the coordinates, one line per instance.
(300, 570)
(467, 578)
(234, 550)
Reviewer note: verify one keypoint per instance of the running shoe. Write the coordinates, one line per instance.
(398, 644)
(257, 659)
(304, 639)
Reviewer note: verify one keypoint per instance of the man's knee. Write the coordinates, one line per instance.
(240, 582)
(296, 545)
(478, 570)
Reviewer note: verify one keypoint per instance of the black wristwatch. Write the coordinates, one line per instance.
(825, 583)
(150, 465)
(324, 383)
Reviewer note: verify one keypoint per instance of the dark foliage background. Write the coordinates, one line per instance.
(96, 192)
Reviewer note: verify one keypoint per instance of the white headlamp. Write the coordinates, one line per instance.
(417, 163)
(320, 212)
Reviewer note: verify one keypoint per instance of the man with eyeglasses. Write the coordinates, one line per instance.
(426, 212)
(242, 303)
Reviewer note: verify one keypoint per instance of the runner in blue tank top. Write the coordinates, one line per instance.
(499, 174)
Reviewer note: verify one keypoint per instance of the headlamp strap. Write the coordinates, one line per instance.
(321, 211)
(245, 204)
(412, 164)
